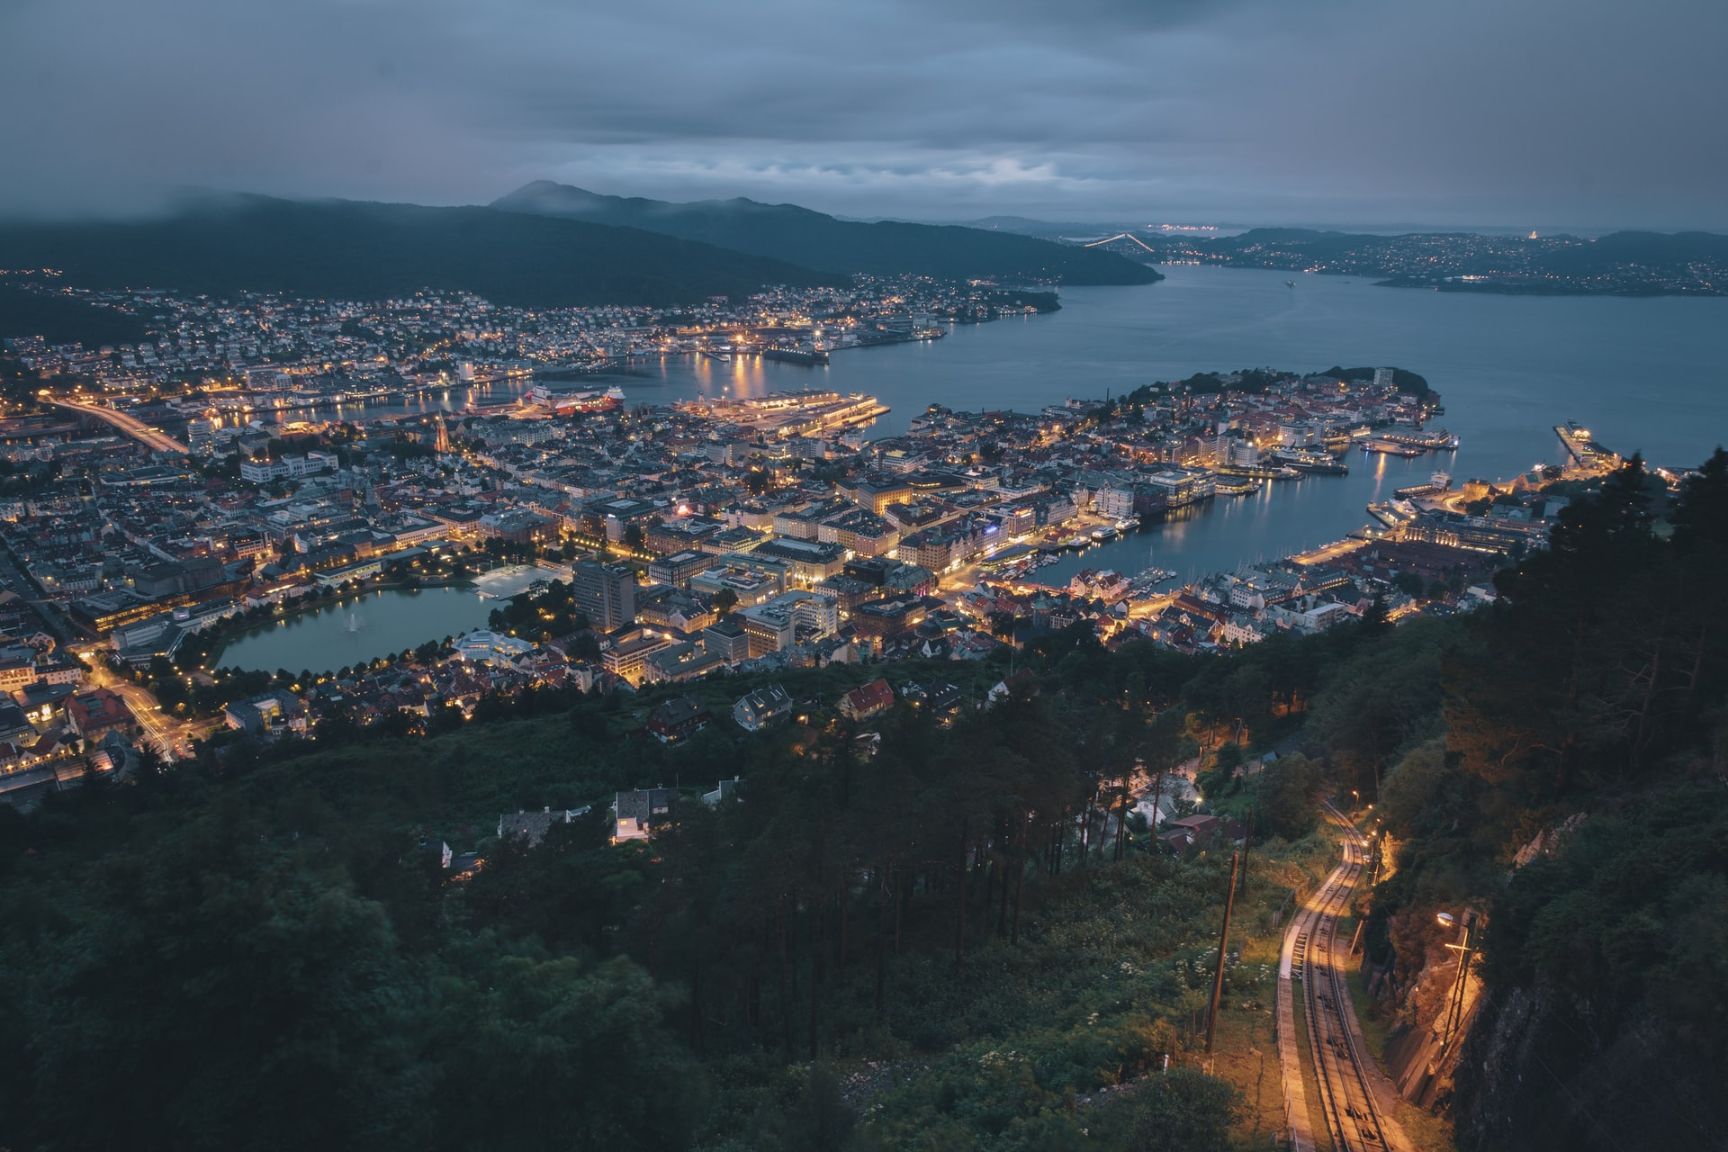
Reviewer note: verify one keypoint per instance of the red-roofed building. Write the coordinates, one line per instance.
(97, 712)
(871, 699)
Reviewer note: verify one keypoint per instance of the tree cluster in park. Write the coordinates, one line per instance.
(541, 613)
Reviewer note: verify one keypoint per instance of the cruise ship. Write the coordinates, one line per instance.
(1305, 461)
(1438, 440)
(1258, 471)
(564, 403)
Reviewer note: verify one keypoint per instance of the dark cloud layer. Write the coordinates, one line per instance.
(1535, 112)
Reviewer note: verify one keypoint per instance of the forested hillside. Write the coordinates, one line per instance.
(1590, 705)
(817, 240)
(63, 319)
(354, 250)
(843, 948)
(937, 937)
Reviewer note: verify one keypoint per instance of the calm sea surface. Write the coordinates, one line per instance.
(1650, 374)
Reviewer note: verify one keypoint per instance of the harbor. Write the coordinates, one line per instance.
(1201, 530)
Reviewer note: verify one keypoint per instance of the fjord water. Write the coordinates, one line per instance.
(1649, 374)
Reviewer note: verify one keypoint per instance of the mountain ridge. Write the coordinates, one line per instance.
(368, 250)
(1624, 263)
(815, 239)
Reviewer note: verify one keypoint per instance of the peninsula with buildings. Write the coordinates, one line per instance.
(1534, 264)
(153, 520)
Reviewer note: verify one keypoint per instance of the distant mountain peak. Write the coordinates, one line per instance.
(548, 197)
(542, 191)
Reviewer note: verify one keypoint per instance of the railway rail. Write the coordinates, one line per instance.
(1354, 1118)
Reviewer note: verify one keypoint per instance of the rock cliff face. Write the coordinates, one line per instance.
(1605, 1028)
(1540, 1073)
(1421, 972)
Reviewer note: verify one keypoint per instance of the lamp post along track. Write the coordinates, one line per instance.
(1341, 1069)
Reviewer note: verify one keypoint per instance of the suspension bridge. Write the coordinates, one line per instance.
(1129, 236)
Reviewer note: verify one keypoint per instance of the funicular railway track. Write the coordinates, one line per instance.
(1353, 1116)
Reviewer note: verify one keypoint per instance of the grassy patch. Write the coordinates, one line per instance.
(1246, 1049)
(1246, 1054)
(1114, 964)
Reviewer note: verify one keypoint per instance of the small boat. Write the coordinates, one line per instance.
(1306, 461)
(1256, 472)
(1439, 440)
(1289, 283)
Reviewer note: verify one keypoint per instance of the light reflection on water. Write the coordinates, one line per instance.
(1508, 368)
(356, 629)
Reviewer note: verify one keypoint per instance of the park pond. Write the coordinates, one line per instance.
(355, 629)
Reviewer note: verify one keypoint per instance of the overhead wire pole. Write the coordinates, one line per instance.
(1223, 945)
(1248, 842)
(1455, 998)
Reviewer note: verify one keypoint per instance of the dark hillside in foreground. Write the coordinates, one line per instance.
(356, 250)
(817, 240)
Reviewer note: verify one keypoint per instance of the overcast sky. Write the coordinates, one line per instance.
(1476, 112)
